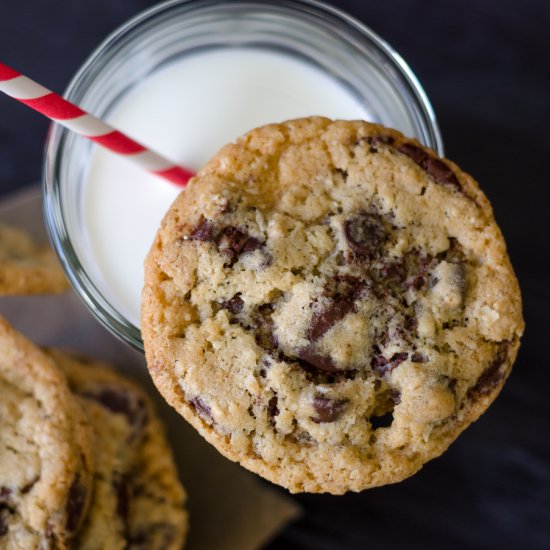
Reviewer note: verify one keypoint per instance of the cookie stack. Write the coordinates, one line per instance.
(83, 459)
(330, 304)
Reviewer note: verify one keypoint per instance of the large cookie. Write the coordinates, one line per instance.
(138, 501)
(330, 304)
(45, 450)
(26, 267)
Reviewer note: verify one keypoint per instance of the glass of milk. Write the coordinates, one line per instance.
(184, 78)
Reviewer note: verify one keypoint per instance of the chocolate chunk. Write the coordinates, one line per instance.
(451, 383)
(4, 518)
(395, 396)
(204, 231)
(394, 271)
(327, 409)
(381, 365)
(441, 173)
(383, 421)
(492, 375)
(417, 154)
(323, 320)
(121, 486)
(365, 234)
(376, 140)
(233, 305)
(230, 242)
(343, 291)
(75, 504)
(252, 244)
(378, 364)
(417, 357)
(417, 267)
(155, 535)
(313, 358)
(263, 324)
(202, 409)
(5, 509)
(272, 409)
(28, 486)
(120, 401)
(385, 139)
(342, 172)
(233, 242)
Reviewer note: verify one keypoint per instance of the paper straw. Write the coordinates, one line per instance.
(60, 110)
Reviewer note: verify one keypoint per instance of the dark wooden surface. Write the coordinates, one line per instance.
(485, 65)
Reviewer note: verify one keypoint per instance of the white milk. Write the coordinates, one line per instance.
(187, 111)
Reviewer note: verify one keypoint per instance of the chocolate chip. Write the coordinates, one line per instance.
(5, 494)
(75, 504)
(383, 421)
(380, 140)
(342, 292)
(252, 244)
(417, 357)
(313, 358)
(233, 305)
(327, 409)
(121, 487)
(417, 154)
(492, 375)
(28, 486)
(120, 401)
(383, 139)
(395, 396)
(394, 271)
(441, 173)
(381, 365)
(451, 383)
(365, 233)
(4, 518)
(202, 409)
(323, 320)
(263, 324)
(155, 535)
(342, 172)
(204, 231)
(272, 409)
(231, 242)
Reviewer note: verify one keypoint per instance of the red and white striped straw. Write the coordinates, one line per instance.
(74, 118)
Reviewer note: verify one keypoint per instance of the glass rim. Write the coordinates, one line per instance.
(104, 312)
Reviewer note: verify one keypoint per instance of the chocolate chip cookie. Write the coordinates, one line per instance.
(26, 267)
(45, 450)
(330, 304)
(138, 501)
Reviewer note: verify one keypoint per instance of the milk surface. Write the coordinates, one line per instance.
(187, 111)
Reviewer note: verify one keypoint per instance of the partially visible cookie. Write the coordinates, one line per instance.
(330, 304)
(26, 267)
(138, 501)
(45, 450)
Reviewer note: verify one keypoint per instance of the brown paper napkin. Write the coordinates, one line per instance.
(230, 508)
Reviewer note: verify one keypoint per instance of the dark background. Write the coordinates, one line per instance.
(485, 64)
